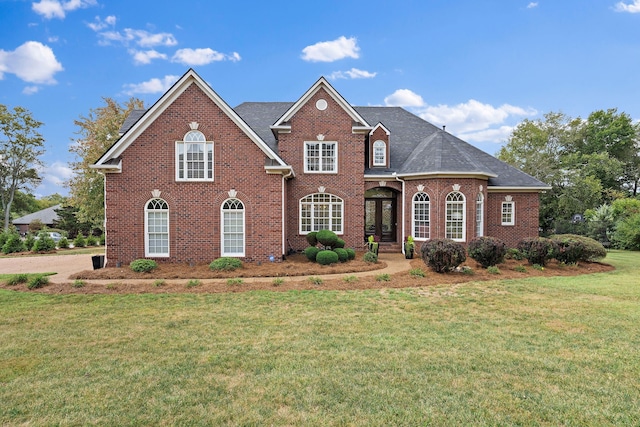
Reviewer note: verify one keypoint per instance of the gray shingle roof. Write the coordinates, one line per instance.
(46, 216)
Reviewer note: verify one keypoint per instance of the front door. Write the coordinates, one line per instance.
(380, 218)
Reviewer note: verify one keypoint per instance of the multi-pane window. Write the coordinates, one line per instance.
(320, 157)
(421, 213)
(157, 228)
(321, 211)
(508, 213)
(455, 219)
(194, 158)
(233, 228)
(480, 215)
(379, 153)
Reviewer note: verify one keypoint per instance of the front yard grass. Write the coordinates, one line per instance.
(536, 351)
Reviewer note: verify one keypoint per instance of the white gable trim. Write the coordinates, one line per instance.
(282, 123)
(189, 78)
(380, 125)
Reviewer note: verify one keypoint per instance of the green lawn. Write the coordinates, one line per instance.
(560, 351)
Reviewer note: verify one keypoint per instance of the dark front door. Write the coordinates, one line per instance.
(380, 218)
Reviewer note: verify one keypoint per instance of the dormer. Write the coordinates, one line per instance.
(379, 147)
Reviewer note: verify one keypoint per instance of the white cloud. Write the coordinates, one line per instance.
(404, 98)
(630, 8)
(99, 24)
(140, 37)
(202, 56)
(31, 62)
(50, 9)
(146, 56)
(353, 73)
(53, 39)
(532, 5)
(30, 90)
(154, 85)
(495, 135)
(53, 179)
(330, 51)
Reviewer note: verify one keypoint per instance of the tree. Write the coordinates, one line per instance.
(21, 146)
(97, 132)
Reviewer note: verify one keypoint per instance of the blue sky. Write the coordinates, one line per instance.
(478, 67)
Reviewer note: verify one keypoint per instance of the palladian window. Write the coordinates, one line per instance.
(321, 211)
(455, 216)
(156, 225)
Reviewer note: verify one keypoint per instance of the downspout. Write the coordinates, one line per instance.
(104, 223)
(403, 209)
(283, 213)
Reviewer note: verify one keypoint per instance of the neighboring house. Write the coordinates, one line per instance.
(46, 216)
(192, 179)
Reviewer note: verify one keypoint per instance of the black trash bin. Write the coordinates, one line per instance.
(98, 261)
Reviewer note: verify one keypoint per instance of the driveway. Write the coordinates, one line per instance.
(63, 265)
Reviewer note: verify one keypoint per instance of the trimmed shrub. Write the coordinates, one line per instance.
(327, 238)
(79, 241)
(370, 257)
(143, 265)
(343, 256)
(29, 241)
(514, 253)
(225, 263)
(311, 238)
(442, 255)
(327, 257)
(573, 248)
(487, 251)
(63, 243)
(339, 243)
(538, 250)
(13, 244)
(44, 243)
(311, 253)
(37, 282)
(92, 241)
(351, 252)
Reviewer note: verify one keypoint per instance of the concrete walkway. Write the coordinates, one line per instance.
(66, 265)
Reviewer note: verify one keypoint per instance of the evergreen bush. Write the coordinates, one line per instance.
(44, 243)
(311, 238)
(63, 243)
(92, 240)
(343, 256)
(351, 252)
(29, 241)
(327, 238)
(13, 243)
(370, 257)
(339, 243)
(143, 265)
(311, 253)
(79, 241)
(487, 251)
(327, 257)
(573, 248)
(225, 264)
(442, 255)
(538, 250)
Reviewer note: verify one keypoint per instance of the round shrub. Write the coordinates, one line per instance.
(13, 244)
(370, 257)
(92, 240)
(573, 248)
(225, 264)
(538, 250)
(44, 243)
(327, 257)
(311, 238)
(143, 265)
(351, 252)
(29, 241)
(63, 243)
(442, 255)
(327, 238)
(343, 256)
(79, 241)
(487, 251)
(311, 253)
(339, 243)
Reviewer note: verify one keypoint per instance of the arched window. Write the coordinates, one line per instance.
(194, 158)
(233, 231)
(455, 216)
(421, 214)
(480, 215)
(321, 211)
(156, 225)
(379, 153)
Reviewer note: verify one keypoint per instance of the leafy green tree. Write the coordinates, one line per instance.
(21, 146)
(97, 132)
(68, 221)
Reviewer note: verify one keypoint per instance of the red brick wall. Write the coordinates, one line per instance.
(527, 206)
(378, 134)
(348, 183)
(195, 235)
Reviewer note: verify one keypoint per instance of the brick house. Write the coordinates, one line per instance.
(192, 179)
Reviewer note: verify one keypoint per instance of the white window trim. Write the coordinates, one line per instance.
(206, 144)
(304, 232)
(384, 156)
(480, 224)
(464, 216)
(513, 213)
(335, 169)
(146, 231)
(222, 233)
(413, 217)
